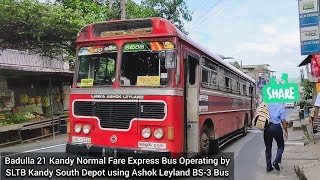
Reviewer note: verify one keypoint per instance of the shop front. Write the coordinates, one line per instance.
(33, 97)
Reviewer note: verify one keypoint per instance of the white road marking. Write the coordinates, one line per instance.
(33, 150)
(255, 131)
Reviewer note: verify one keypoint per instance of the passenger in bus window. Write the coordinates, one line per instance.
(274, 131)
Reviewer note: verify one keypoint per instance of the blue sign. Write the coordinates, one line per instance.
(309, 26)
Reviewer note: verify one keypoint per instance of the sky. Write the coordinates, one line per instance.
(254, 31)
(251, 31)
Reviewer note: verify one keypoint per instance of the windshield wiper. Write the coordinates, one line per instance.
(144, 44)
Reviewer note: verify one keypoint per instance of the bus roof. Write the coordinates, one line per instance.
(160, 27)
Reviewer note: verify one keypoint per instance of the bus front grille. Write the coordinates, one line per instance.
(118, 115)
(152, 110)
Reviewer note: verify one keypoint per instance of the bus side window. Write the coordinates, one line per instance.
(234, 83)
(227, 82)
(209, 74)
(244, 89)
(213, 78)
(205, 76)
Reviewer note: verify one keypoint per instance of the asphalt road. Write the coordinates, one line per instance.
(249, 161)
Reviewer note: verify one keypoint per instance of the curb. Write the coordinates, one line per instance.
(300, 173)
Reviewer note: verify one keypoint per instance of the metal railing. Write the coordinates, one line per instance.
(34, 130)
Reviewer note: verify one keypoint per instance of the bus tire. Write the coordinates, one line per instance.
(245, 127)
(214, 147)
(204, 141)
(208, 145)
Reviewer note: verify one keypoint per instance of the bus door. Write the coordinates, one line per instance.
(191, 105)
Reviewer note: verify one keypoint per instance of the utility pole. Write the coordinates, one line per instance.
(122, 9)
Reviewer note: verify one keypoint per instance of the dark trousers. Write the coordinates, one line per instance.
(273, 131)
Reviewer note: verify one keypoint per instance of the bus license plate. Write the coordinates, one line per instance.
(152, 145)
(76, 139)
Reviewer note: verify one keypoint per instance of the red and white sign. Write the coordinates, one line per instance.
(315, 65)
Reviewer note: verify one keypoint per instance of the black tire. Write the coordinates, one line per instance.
(208, 145)
(204, 141)
(245, 127)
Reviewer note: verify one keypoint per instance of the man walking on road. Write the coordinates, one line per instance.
(274, 131)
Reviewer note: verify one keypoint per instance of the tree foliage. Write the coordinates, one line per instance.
(38, 27)
(236, 64)
(308, 89)
(306, 96)
(50, 28)
(174, 10)
(91, 10)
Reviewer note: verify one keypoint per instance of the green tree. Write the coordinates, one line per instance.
(308, 89)
(174, 10)
(236, 64)
(51, 28)
(91, 10)
(99, 10)
(38, 27)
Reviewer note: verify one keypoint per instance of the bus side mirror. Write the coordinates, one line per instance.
(170, 62)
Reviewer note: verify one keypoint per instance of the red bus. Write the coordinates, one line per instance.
(142, 87)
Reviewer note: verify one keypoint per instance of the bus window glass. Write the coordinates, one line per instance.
(97, 63)
(210, 65)
(234, 82)
(143, 64)
(205, 76)
(227, 82)
(213, 78)
(238, 87)
(244, 89)
(221, 81)
(211, 69)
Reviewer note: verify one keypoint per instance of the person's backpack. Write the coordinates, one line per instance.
(261, 118)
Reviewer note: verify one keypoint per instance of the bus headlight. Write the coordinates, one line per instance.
(158, 133)
(86, 129)
(78, 128)
(146, 133)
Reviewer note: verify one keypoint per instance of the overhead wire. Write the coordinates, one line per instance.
(211, 14)
(202, 5)
(203, 15)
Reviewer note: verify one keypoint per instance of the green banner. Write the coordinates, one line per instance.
(147, 46)
(277, 93)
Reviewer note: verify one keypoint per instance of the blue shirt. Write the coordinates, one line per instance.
(277, 112)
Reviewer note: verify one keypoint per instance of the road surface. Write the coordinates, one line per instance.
(248, 151)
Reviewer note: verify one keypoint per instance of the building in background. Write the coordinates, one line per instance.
(261, 73)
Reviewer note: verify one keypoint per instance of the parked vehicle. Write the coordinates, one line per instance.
(289, 105)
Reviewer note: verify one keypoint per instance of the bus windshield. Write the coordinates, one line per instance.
(97, 64)
(143, 64)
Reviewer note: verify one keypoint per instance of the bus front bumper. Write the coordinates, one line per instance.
(100, 151)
